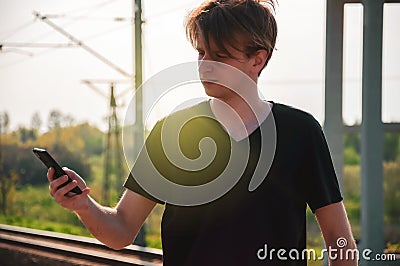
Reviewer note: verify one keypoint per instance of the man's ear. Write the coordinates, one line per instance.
(259, 59)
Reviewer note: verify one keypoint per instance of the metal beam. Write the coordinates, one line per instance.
(333, 124)
(137, 83)
(386, 128)
(371, 130)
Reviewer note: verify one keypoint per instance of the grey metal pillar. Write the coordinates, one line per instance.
(136, 83)
(371, 130)
(333, 124)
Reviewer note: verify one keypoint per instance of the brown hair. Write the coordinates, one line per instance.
(246, 25)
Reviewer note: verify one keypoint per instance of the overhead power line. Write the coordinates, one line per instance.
(64, 16)
(14, 31)
(37, 45)
(107, 31)
(80, 43)
(88, 9)
(14, 50)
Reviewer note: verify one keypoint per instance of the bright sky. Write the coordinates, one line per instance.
(37, 79)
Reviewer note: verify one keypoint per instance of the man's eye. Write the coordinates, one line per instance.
(220, 55)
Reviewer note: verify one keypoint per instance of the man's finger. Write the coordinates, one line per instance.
(56, 183)
(50, 174)
(64, 190)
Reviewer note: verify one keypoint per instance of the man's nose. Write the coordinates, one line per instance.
(205, 65)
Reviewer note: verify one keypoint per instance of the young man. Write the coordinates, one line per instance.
(249, 222)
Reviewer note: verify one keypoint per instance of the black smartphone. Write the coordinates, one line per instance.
(46, 158)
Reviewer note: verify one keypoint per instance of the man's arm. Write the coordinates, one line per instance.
(116, 227)
(332, 220)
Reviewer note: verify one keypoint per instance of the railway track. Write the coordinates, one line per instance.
(23, 246)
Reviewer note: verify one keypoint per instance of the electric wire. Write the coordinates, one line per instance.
(91, 9)
(36, 45)
(16, 62)
(9, 33)
(113, 19)
(17, 51)
(107, 31)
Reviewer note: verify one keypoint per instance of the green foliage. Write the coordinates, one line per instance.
(55, 119)
(30, 170)
(36, 203)
(36, 121)
(393, 248)
(391, 146)
(4, 122)
(352, 147)
(153, 227)
(352, 140)
(69, 146)
(92, 138)
(391, 186)
(351, 157)
(7, 189)
(81, 139)
(26, 134)
(392, 192)
(44, 225)
(352, 182)
(33, 207)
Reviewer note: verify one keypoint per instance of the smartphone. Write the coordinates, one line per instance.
(46, 158)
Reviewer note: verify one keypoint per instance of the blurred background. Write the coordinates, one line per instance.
(56, 94)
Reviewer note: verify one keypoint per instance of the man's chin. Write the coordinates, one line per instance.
(212, 89)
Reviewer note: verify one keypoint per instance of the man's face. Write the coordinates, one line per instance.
(221, 73)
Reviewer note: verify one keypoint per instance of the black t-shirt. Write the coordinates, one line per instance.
(242, 227)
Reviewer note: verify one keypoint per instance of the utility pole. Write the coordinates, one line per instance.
(136, 79)
(113, 160)
(113, 151)
(136, 83)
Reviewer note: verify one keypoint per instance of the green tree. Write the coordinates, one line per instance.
(68, 121)
(352, 140)
(7, 184)
(36, 122)
(391, 146)
(392, 191)
(4, 122)
(26, 134)
(351, 156)
(54, 120)
(31, 171)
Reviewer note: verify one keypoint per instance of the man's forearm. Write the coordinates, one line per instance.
(345, 256)
(106, 224)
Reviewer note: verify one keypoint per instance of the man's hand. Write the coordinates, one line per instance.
(115, 227)
(75, 202)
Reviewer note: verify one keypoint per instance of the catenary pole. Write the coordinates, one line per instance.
(136, 83)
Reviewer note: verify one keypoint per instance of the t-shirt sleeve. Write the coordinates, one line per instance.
(133, 185)
(142, 163)
(322, 187)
